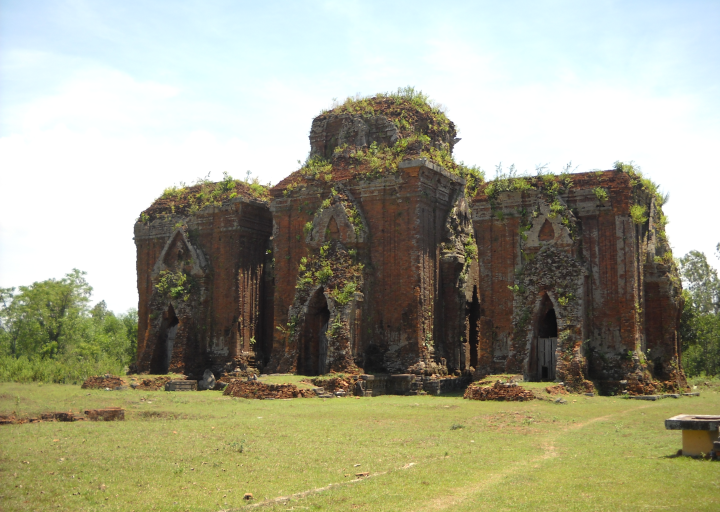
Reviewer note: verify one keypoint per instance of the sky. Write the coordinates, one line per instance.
(104, 104)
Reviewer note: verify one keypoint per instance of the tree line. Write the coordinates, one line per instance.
(50, 333)
(700, 320)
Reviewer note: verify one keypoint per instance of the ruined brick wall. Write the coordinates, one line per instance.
(558, 246)
(395, 224)
(202, 287)
(372, 256)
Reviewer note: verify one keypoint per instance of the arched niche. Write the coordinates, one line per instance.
(178, 253)
(543, 360)
(547, 228)
(333, 222)
(313, 342)
(162, 354)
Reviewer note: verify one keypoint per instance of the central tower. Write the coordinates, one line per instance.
(372, 243)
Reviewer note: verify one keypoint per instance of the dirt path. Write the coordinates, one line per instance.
(305, 494)
(461, 494)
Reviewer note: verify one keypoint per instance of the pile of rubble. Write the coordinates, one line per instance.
(558, 389)
(155, 384)
(106, 381)
(114, 382)
(254, 389)
(499, 391)
(334, 384)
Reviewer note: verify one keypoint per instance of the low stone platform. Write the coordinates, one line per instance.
(407, 384)
(181, 385)
(660, 397)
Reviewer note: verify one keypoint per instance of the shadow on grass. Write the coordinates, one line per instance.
(673, 456)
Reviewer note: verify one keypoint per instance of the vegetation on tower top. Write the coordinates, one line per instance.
(409, 109)
(400, 125)
(188, 200)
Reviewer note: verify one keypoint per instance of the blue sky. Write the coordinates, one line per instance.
(103, 104)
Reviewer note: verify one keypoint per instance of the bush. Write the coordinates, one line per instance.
(638, 214)
(66, 371)
(601, 194)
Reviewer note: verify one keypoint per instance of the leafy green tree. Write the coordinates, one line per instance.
(700, 320)
(702, 281)
(44, 317)
(48, 331)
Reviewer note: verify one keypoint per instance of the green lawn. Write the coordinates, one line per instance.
(202, 451)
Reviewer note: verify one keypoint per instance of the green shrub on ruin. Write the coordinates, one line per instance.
(189, 200)
(175, 284)
(601, 194)
(324, 274)
(342, 297)
(638, 214)
(419, 122)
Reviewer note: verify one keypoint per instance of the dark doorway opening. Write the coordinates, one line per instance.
(546, 346)
(162, 355)
(548, 325)
(374, 361)
(472, 313)
(314, 343)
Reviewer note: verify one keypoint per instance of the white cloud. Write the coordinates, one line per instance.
(100, 100)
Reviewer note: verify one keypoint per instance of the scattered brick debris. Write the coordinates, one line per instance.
(11, 419)
(103, 382)
(253, 389)
(558, 389)
(333, 384)
(155, 384)
(499, 391)
(109, 414)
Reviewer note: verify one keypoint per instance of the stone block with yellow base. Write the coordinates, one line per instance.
(699, 432)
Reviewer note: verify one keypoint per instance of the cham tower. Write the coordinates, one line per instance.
(383, 256)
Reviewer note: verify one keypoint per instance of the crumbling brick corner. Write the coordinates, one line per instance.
(576, 281)
(201, 282)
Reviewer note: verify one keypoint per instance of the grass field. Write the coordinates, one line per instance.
(201, 451)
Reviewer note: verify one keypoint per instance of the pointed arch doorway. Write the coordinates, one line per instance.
(546, 344)
(162, 355)
(312, 359)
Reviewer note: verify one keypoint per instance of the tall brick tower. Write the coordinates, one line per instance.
(373, 245)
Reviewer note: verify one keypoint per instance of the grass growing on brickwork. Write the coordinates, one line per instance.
(419, 122)
(188, 200)
(405, 107)
(202, 451)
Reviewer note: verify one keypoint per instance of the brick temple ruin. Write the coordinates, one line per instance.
(383, 256)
